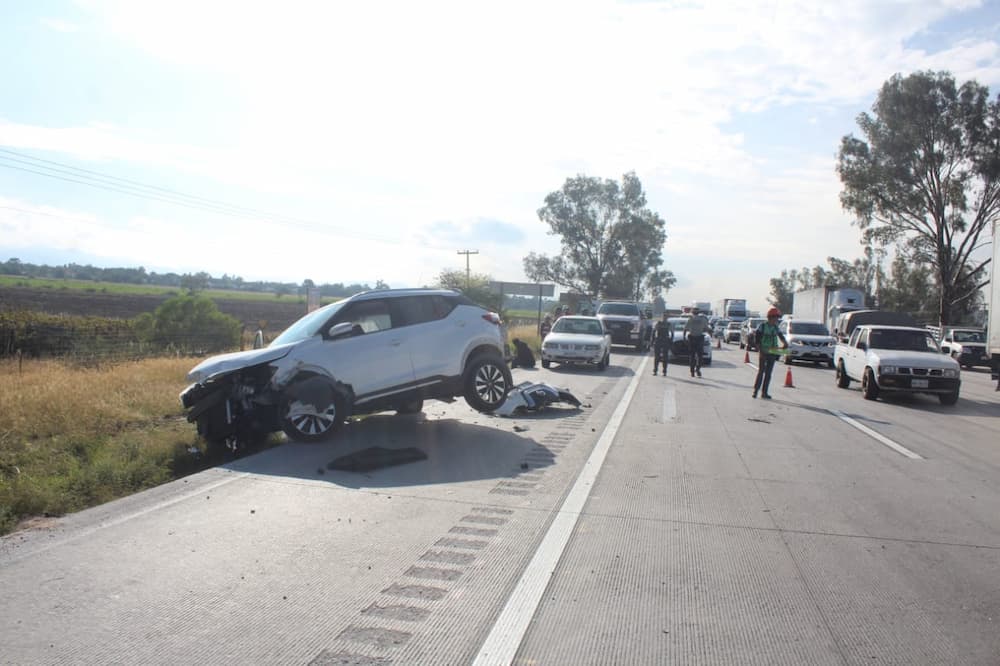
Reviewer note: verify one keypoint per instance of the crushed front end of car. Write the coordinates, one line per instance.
(232, 399)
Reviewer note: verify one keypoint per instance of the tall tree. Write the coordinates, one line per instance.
(927, 176)
(610, 240)
(477, 288)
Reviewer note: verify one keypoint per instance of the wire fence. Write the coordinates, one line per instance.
(97, 340)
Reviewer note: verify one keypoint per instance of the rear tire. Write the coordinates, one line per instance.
(486, 382)
(605, 362)
(843, 381)
(869, 389)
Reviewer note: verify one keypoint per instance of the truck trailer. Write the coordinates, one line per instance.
(825, 304)
(733, 309)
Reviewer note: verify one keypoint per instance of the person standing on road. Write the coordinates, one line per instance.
(663, 337)
(767, 336)
(545, 327)
(694, 331)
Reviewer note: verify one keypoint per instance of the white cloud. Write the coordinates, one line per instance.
(398, 115)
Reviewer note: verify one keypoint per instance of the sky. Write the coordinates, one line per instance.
(355, 141)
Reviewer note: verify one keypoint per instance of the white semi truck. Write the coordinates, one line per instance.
(733, 309)
(825, 304)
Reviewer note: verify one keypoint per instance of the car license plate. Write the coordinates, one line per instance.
(919, 383)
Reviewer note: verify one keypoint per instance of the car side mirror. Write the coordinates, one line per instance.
(341, 330)
(945, 350)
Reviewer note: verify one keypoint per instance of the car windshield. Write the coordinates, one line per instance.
(578, 326)
(733, 325)
(308, 326)
(969, 336)
(618, 309)
(902, 340)
(678, 321)
(803, 328)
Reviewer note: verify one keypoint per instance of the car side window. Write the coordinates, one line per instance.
(443, 306)
(854, 337)
(415, 310)
(368, 316)
(863, 338)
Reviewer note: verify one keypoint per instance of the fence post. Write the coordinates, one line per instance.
(19, 361)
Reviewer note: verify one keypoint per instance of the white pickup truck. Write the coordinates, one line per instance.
(896, 358)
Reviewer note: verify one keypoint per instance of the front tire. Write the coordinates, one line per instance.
(303, 422)
(869, 389)
(948, 398)
(546, 364)
(486, 382)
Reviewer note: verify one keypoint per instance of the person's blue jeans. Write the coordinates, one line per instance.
(765, 365)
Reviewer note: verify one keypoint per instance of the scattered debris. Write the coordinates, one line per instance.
(756, 419)
(524, 465)
(518, 428)
(320, 471)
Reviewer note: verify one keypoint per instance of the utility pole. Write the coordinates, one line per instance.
(468, 273)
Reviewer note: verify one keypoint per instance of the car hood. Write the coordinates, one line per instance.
(914, 359)
(574, 339)
(223, 363)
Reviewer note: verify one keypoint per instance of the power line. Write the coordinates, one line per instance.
(95, 179)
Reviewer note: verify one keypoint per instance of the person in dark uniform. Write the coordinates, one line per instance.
(663, 337)
(523, 358)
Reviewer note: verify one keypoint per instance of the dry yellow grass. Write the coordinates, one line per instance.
(529, 334)
(50, 398)
(72, 437)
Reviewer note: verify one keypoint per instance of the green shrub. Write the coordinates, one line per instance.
(191, 323)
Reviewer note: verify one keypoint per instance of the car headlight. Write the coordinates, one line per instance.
(950, 372)
(548, 345)
(888, 370)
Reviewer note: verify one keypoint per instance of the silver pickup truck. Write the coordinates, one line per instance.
(900, 359)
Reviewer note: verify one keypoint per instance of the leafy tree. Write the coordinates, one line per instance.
(195, 282)
(478, 288)
(610, 240)
(927, 177)
(909, 288)
(191, 322)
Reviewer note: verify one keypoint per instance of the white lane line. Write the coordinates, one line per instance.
(508, 631)
(669, 404)
(882, 439)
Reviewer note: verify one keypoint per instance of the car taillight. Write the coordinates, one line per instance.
(493, 318)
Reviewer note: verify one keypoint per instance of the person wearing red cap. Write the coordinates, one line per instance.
(767, 336)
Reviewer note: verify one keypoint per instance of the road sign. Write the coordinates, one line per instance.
(523, 288)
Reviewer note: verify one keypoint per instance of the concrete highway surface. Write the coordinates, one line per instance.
(671, 520)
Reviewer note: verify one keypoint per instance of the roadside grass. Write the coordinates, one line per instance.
(72, 437)
(122, 289)
(527, 333)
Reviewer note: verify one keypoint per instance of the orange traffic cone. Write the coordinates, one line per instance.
(788, 379)
(746, 358)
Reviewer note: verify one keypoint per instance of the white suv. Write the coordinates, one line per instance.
(808, 341)
(375, 351)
